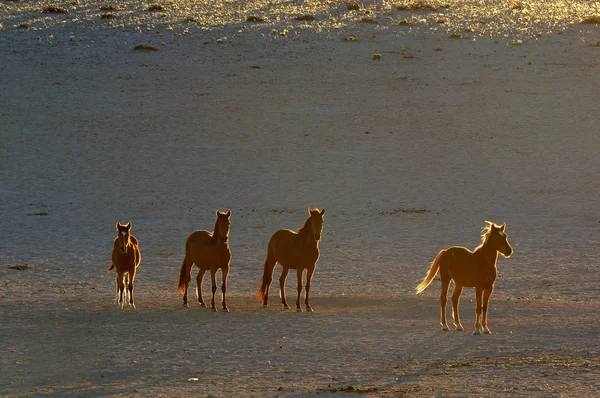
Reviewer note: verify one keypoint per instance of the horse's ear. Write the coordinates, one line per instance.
(322, 212)
(309, 213)
(118, 225)
(503, 227)
(218, 212)
(128, 226)
(228, 214)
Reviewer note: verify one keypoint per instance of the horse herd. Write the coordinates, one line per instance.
(299, 250)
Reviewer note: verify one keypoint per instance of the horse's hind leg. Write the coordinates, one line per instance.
(309, 274)
(213, 279)
(486, 299)
(130, 280)
(224, 275)
(455, 301)
(299, 288)
(199, 280)
(479, 298)
(282, 279)
(444, 299)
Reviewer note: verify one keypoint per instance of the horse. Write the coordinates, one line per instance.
(470, 269)
(126, 257)
(293, 250)
(209, 251)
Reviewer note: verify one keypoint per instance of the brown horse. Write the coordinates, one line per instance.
(293, 250)
(125, 259)
(470, 269)
(209, 251)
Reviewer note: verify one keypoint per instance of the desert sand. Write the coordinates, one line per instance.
(409, 153)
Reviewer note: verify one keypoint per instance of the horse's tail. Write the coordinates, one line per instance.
(433, 270)
(262, 285)
(265, 280)
(111, 267)
(185, 274)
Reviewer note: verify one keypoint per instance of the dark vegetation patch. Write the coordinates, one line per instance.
(420, 5)
(41, 214)
(372, 390)
(353, 6)
(255, 18)
(305, 17)
(593, 20)
(21, 267)
(190, 19)
(108, 15)
(405, 22)
(145, 47)
(368, 20)
(23, 25)
(351, 38)
(156, 7)
(456, 36)
(54, 10)
(402, 210)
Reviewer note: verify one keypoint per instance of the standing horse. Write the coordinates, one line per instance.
(470, 269)
(125, 259)
(293, 250)
(209, 251)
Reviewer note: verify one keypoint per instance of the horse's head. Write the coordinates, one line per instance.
(223, 224)
(499, 239)
(316, 222)
(124, 236)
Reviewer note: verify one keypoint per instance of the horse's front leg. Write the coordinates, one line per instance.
(486, 299)
(479, 299)
(225, 273)
(282, 279)
(299, 288)
(213, 279)
(130, 280)
(309, 275)
(120, 288)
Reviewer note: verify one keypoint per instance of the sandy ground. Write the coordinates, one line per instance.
(408, 154)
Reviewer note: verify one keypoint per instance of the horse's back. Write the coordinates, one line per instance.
(291, 252)
(200, 237)
(458, 263)
(205, 253)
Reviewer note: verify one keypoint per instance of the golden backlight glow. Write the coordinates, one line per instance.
(473, 18)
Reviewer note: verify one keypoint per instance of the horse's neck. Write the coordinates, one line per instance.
(215, 233)
(488, 255)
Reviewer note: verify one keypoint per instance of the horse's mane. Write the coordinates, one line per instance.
(215, 233)
(486, 232)
(305, 228)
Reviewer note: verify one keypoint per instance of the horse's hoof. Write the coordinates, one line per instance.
(298, 309)
(214, 310)
(477, 332)
(309, 309)
(286, 307)
(459, 328)
(225, 309)
(445, 328)
(132, 305)
(487, 331)
(185, 305)
(202, 305)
